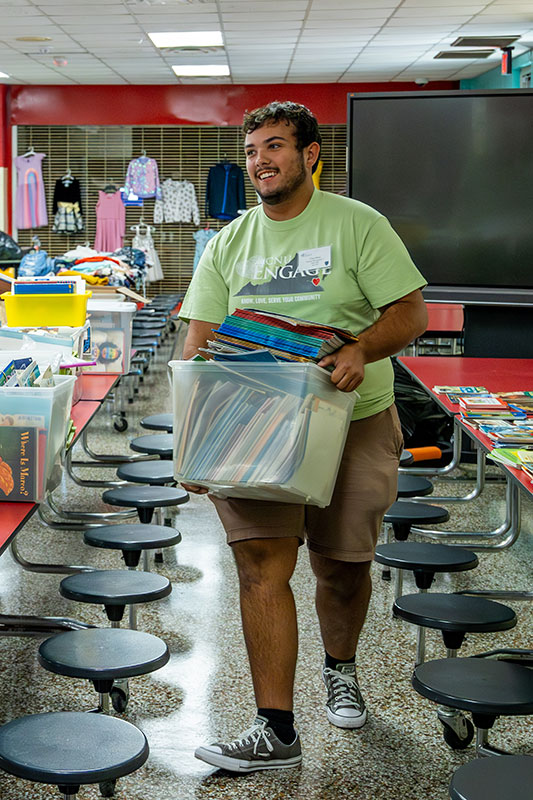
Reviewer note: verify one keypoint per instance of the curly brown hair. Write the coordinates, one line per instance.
(305, 123)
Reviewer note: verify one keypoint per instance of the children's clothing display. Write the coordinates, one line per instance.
(67, 206)
(142, 178)
(110, 222)
(143, 241)
(224, 193)
(178, 203)
(31, 201)
(201, 238)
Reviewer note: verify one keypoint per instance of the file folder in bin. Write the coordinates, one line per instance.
(33, 428)
(256, 430)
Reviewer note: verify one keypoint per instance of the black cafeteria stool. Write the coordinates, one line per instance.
(413, 486)
(454, 615)
(145, 498)
(115, 589)
(144, 346)
(484, 687)
(403, 514)
(408, 486)
(509, 778)
(159, 422)
(151, 324)
(154, 444)
(424, 559)
(132, 540)
(154, 473)
(69, 749)
(104, 656)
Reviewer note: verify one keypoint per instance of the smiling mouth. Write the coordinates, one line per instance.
(265, 175)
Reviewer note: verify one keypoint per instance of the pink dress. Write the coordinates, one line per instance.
(31, 201)
(110, 222)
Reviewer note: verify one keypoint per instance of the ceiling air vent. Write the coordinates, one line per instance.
(464, 54)
(484, 41)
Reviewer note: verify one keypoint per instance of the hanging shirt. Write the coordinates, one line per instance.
(224, 194)
(31, 201)
(179, 203)
(142, 178)
(201, 238)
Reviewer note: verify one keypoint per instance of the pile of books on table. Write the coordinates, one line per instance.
(266, 336)
(518, 458)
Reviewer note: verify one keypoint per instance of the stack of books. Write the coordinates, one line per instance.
(508, 434)
(49, 285)
(265, 336)
(517, 458)
(484, 406)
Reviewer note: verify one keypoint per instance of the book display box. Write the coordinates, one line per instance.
(33, 427)
(259, 430)
(111, 324)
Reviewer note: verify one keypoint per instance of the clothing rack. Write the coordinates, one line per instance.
(99, 156)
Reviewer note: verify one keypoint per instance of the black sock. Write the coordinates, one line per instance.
(281, 722)
(335, 663)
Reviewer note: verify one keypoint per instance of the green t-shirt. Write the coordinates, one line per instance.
(337, 262)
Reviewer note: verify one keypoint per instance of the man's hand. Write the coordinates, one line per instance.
(193, 489)
(349, 365)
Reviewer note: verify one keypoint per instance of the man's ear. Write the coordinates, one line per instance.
(313, 154)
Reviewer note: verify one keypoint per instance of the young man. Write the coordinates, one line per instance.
(334, 260)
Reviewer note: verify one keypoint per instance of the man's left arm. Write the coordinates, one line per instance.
(399, 324)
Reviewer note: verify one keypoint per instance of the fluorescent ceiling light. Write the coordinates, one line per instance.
(3, 75)
(187, 39)
(200, 70)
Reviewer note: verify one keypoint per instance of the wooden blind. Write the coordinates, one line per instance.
(99, 155)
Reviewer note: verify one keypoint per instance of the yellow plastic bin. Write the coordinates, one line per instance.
(46, 310)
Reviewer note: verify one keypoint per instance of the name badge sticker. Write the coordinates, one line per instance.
(316, 261)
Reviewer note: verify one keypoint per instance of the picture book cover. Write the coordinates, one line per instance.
(19, 463)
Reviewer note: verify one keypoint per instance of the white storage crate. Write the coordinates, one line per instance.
(33, 428)
(111, 323)
(263, 431)
(63, 340)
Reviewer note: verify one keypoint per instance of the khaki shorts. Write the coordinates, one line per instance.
(347, 530)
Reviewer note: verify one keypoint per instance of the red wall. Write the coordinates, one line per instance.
(222, 104)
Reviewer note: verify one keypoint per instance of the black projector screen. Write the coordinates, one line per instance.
(453, 172)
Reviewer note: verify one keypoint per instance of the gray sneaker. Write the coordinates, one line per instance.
(345, 706)
(256, 748)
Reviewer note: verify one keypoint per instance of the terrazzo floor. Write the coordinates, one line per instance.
(204, 692)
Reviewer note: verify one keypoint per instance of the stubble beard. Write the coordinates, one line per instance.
(284, 193)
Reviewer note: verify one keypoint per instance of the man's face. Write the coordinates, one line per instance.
(275, 165)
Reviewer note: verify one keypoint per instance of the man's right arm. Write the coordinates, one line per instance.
(197, 336)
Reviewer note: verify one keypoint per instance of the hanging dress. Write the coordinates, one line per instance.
(67, 206)
(110, 222)
(145, 243)
(31, 201)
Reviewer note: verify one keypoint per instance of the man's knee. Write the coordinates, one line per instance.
(265, 561)
(342, 577)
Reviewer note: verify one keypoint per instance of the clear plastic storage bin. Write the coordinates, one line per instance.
(263, 431)
(33, 428)
(111, 324)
